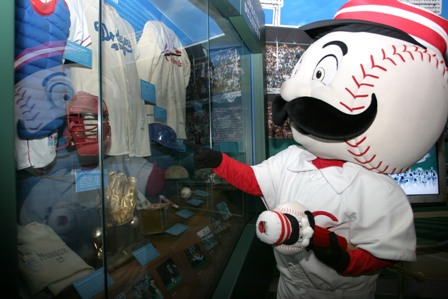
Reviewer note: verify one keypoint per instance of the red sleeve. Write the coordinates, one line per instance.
(239, 175)
(362, 262)
(321, 238)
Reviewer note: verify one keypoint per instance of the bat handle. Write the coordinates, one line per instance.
(165, 199)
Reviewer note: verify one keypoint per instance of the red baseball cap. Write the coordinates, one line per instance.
(391, 17)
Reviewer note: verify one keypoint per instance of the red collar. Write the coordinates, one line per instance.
(323, 163)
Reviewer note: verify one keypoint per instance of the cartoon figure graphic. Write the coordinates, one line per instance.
(368, 98)
(42, 89)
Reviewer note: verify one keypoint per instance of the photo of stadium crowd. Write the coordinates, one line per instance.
(280, 61)
(284, 47)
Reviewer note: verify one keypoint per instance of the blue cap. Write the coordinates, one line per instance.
(163, 134)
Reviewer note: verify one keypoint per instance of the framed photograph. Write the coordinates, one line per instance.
(169, 274)
(195, 256)
(207, 238)
(224, 210)
(146, 288)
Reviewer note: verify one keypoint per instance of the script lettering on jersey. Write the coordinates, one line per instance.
(118, 41)
(172, 55)
(57, 255)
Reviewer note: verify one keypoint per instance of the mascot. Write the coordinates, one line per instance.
(368, 98)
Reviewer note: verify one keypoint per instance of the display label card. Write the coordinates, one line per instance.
(92, 284)
(185, 213)
(145, 254)
(194, 202)
(148, 92)
(177, 229)
(199, 192)
(79, 54)
(160, 114)
(89, 179)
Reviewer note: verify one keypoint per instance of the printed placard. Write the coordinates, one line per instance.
(148, 92)
(92, 284)
(176, 229)
(195, 202)
(145, 254)
(78, 54)
(89, 179)
(160, 114)
(185, 213)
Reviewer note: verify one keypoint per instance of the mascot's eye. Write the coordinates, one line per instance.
(326, 69)
(319, 74)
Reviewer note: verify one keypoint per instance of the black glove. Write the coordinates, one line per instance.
(333, 256)
(204, 157)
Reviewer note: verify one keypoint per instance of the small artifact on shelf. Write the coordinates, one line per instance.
(185, 193)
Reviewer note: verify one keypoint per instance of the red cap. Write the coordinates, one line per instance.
(426, 27)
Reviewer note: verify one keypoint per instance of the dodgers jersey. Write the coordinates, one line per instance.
(119, 79)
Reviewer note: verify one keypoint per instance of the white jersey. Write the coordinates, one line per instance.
(120, 81)
(370, 210)
(39, 153)
(164, 63)
(35, 153)
(79, 32)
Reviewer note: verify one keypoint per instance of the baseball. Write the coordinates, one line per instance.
(185, 193)
(274, 228)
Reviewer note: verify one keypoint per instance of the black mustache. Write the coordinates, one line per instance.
(311, 116)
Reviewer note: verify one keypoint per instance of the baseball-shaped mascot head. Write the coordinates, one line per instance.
(372, 88)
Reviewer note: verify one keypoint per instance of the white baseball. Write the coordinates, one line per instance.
(185, 193)
(273, 228)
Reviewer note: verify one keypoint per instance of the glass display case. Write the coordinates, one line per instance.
(108, 201)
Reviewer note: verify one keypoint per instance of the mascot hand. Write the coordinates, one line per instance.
(328, 247)
(333, 256)
(204, 157)
(286, 228)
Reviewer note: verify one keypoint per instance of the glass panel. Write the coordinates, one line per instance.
(109, 199)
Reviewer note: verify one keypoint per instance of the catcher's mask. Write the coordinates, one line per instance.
(82, 126)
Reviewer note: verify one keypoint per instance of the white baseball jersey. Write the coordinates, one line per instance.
(79, 32)
(38, 153)
(370, 210)
(164, 62)
(120, 81)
